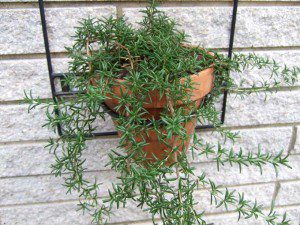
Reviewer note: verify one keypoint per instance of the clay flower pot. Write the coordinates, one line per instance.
(156, 149)
(202, 84)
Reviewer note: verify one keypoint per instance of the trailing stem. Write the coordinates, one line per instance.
(156, 57)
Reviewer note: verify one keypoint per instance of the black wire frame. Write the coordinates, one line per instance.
(53, 76)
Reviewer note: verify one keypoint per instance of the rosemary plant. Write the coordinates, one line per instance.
(154, 56)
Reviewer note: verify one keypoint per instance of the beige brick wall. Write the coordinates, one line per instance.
(29, 194)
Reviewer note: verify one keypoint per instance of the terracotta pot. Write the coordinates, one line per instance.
(202, 84)
(156, 149)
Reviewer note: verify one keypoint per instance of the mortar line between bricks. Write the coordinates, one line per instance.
(279, 89)
(242, 3)
(18, 5)
(75, 200)
(50, 174)
(293, 140)
(276, 191)
(38, 203)
(33, 56)
(131, 4)
(58, 4)
(45, 141)
(58, 55)
(111, 171)
(246, 127)
(282, 89)
(135, 4)
(284, 207)
(25, 142)
(206, 214)
(76, 4)
(17, 102)
(119, 11)
(265, 208)
(258, 126)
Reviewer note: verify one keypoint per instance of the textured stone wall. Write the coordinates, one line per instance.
(29, 194)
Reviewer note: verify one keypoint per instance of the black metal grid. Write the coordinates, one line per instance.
(53, 76)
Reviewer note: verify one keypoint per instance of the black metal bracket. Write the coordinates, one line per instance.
(53, 76)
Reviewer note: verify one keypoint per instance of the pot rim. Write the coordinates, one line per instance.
(200, 73)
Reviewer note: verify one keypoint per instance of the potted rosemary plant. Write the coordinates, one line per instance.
(157, 87)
